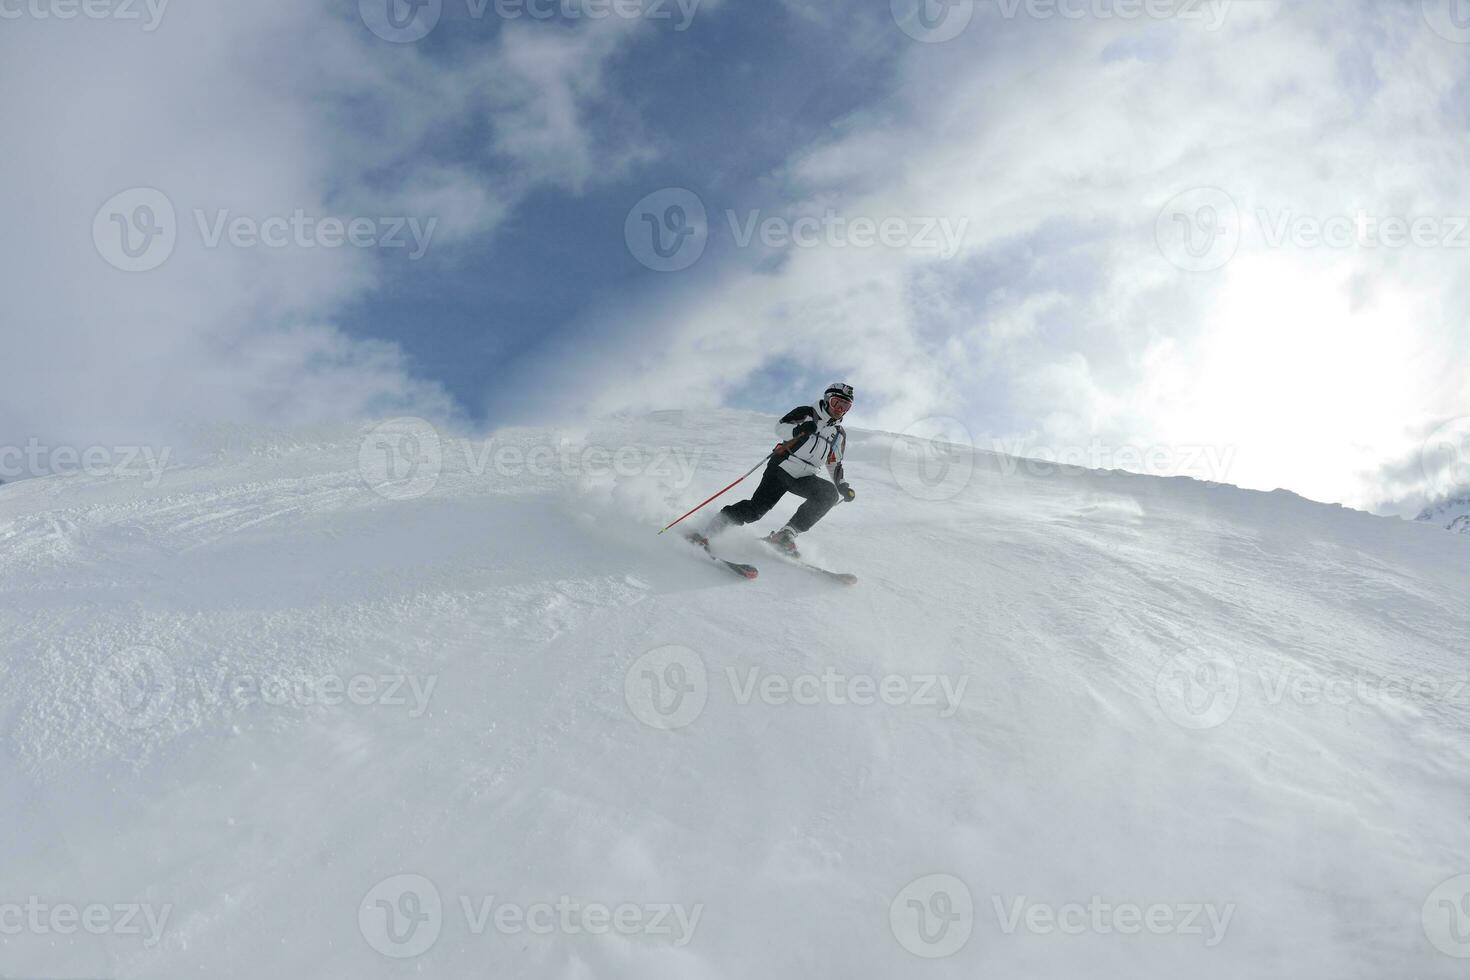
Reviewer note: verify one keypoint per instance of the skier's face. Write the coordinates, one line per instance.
(837, 406)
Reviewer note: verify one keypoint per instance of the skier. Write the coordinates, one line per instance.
(812, 440)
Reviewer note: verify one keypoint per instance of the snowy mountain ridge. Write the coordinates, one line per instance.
(1453, 513)
(398, 701)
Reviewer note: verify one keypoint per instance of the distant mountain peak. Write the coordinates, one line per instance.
(1453, 512)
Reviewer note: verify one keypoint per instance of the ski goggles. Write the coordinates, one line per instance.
(837, 405)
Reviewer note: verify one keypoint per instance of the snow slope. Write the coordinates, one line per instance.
(1118, 726)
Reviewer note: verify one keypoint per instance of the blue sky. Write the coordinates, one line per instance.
(1110, 228)
(702, 100)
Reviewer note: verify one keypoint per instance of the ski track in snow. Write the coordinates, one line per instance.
(1060, 775)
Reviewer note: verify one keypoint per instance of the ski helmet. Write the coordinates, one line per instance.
(840, 391)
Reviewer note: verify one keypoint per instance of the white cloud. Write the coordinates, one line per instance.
(257, 111)
(1061, 321)
(539, 86)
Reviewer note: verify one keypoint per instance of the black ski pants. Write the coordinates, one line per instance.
(819, 496)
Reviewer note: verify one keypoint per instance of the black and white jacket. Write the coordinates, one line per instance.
(822, 449)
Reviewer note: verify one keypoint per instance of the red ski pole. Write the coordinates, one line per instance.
(784, 445)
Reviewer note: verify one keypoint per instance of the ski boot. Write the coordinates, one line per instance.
(783, 541)
(703, 536)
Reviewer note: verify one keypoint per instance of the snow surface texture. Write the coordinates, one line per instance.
(477, 719)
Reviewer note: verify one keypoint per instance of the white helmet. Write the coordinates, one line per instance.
(842, 393)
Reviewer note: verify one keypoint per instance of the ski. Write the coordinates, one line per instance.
(744, 571)
(846, 578)
(794, 558)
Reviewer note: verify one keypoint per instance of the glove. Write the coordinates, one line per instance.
(846, 492)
